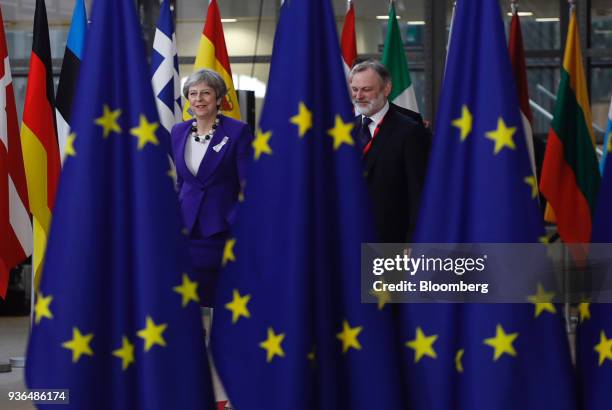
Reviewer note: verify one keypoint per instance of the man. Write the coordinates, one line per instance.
(395, 150)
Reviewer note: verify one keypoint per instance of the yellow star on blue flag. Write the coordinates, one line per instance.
(288, 301)
(115, 312)
(480, 189)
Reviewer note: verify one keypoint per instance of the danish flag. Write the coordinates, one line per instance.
(15, 224)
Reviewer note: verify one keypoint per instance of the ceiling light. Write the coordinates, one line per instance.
(545, 19)
(229, 20)
(523, 14)
(416, 23)
(387, 17)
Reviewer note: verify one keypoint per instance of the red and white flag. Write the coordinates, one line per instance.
(348, 42)
(15, 224)
(517, 59)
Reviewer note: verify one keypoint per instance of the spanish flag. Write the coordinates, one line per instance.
(212, 54)
(39, 138)
(570, 175)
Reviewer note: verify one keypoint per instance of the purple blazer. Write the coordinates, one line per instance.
(209, 198)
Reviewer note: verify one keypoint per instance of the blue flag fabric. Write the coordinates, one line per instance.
(594, 349)
(594, 331)
(289, 330)
(480, 188)
(602, 229)
(117, 319)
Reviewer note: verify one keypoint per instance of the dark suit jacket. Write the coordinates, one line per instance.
(408, 113)
(414, 115)
(395, 168)
(208, 199)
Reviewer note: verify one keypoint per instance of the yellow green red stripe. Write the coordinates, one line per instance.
(570, 175)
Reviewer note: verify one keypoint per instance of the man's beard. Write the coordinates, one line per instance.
(371, 107)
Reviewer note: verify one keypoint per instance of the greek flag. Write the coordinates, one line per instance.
(164, 66)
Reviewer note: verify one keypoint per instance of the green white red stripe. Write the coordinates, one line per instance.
(394, 58)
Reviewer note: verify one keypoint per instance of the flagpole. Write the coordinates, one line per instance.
(450, 33)
(20, 361)
(572, 315)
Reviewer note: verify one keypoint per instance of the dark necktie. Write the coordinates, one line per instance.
(365, 134)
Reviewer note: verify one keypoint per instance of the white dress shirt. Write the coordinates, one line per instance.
(194, 152)
(377, 118)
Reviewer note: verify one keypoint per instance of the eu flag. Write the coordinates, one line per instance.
(117, 317)
(594, 331)
(289, 331)
(480, 188)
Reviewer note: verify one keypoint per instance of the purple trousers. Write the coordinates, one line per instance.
(206, 256)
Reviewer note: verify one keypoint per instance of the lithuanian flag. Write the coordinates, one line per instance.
(39, 138)
(212, 54)
(570, 175)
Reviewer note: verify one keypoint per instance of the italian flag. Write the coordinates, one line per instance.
(394, 58)
(212, 54)
(570, 175)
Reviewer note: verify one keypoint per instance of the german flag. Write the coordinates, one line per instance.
(212, 54)
(39, 138)
(570, 174)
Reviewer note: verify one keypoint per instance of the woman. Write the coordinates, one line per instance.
(211, 153)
